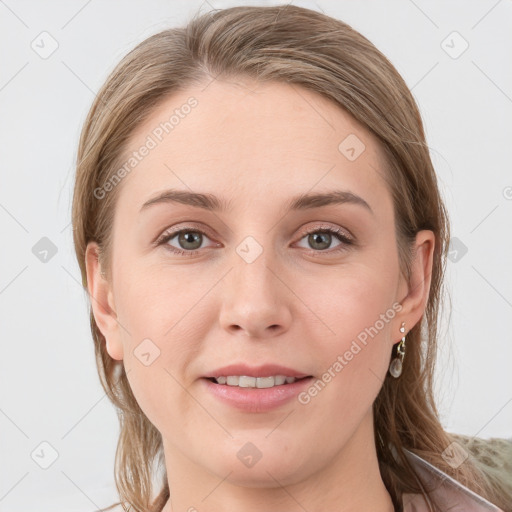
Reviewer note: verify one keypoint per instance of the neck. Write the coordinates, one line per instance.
(349, 482)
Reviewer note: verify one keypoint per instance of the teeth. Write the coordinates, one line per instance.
(244, 381)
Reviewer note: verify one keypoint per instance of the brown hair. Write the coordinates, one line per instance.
(309, 49)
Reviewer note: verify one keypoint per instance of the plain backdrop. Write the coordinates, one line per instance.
(455, 56)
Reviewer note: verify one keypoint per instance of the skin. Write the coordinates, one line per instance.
(257, 145)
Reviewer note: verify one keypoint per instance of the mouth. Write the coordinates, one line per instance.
(252, 394)
(246, 381)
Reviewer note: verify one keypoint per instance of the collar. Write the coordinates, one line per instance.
(448, 493)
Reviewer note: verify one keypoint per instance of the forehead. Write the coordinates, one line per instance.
(242, 138)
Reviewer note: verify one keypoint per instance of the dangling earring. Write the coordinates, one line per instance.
(395, 368)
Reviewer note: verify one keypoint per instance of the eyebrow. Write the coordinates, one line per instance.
(213, 203)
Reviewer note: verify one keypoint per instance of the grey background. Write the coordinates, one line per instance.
(50, 391)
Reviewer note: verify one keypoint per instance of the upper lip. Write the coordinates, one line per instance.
(266, 370)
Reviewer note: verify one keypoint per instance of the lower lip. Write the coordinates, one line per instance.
(257, 399)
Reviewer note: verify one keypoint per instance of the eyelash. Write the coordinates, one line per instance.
(338, 233)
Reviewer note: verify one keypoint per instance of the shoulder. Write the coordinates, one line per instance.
(493, 457)
(445, 490)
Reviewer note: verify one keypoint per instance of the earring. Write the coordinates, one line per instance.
(395, 368)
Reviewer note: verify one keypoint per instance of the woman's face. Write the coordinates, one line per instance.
(256, 281)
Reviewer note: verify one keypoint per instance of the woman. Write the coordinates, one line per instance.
(258, 223)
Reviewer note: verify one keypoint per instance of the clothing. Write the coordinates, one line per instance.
(449, 494)
(492, 456)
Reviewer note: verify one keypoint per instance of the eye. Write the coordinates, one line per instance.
(320, 238)
(189, 240)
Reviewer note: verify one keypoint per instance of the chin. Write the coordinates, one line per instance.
(268, 467)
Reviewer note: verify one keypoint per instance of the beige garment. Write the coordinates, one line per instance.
(449, 494)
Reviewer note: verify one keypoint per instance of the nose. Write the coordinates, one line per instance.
(256, 298)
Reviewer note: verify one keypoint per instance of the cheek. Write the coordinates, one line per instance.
(358, 310)
(152, 302)
(163, 324)
(357, 301)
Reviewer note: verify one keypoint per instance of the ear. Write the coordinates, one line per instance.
(418, 287)
(102, 302)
